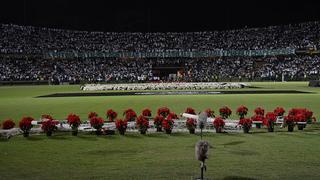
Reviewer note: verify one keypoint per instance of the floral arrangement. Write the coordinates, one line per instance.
(163, 111)
(258, 117)
(172, 116)
(92, 114)
(259, 111)
(97, 123)
(289, 120)
(279, 111)
(157, 121)
(269, 121)
(246, 124)
(48, 125)
(218, 124)
(74, 121)
(270, 117)
(111, 115)
(121, 125)
(146, 112)
(191, 125)
(8, 124)
(190, 110)
(301, 117)
(130, 115)
(142, 124)
(295, 111)
(225, 112)
(25, 125)
(210, 113)
(242, 111)
(167, 125)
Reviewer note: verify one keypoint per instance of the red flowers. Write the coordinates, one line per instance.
(225, 112)
(270, 119)
(259, 111)
(130, 115)
(301, 114)
(142, 124)
(111, 115)
(295, 111)
(301, 117)
(289, 120)
(146, 112)
(167, 124)
(142, 121)
(210, 113)
(121, 125)
(242, 111)
(49, 125)
(172, 115)
(73, 121)
(245, 122)
(257, 118)
(163, 111)
(218, 122)
(92, 114)
(96, 122)
(157, 121)
(25, 125)
(308, 114)
(190, 110)
(279, 111)
(191, 123)
(8, 124)
(270, 116)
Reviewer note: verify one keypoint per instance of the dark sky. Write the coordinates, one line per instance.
(153, 16)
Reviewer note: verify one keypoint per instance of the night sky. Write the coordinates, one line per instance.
(156, 16)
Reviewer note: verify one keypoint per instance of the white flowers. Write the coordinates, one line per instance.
(163, 86)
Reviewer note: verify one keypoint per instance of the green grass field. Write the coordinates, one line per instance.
(18, 101)
(258, 155)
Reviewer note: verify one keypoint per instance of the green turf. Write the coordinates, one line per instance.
(259, 155)
(18, 101)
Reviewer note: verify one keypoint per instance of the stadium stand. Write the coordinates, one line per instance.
(29, 54)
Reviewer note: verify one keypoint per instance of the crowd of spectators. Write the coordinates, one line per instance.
(36, 40)
(74, 71)
(255, 68)
(31, 43)
(143, 70)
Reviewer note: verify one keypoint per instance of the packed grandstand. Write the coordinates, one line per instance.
(288, 52)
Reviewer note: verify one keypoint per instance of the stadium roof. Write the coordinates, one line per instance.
(154, 16)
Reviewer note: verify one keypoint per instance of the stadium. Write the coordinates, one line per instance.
(140, 97)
